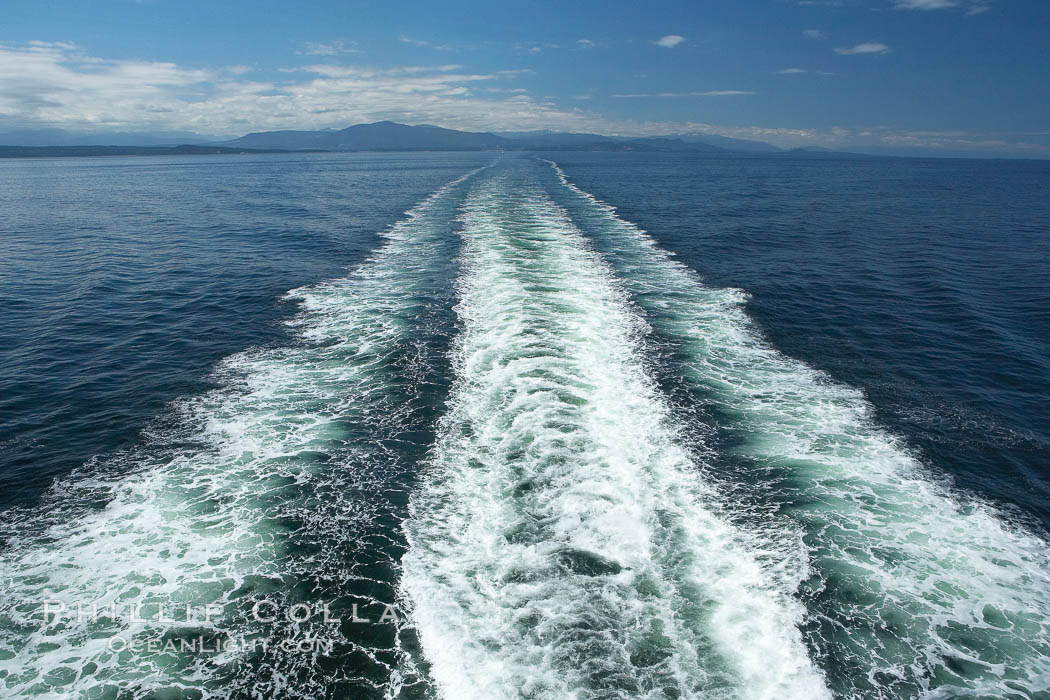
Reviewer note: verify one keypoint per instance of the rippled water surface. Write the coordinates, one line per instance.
(124, 280)
(586, 425)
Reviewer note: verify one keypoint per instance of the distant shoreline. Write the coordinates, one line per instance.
(30, 152)
(19, 152)
(89, 151)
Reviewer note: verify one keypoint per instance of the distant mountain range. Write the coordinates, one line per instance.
(379, 136)
(83, 151)
(391, 136)
(61, 137)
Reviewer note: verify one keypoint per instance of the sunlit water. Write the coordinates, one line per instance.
(554, 458)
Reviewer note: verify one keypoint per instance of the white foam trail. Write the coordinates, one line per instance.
(218, 511)
(920, 590)
(564, 544)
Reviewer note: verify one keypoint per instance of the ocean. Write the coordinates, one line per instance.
(576, 424)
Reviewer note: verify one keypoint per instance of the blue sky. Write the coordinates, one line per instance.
(949, 75)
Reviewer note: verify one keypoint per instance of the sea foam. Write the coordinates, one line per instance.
(563, 543)
(279, 485)
(918, 588)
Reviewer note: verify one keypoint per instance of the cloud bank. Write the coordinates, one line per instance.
(57, 85)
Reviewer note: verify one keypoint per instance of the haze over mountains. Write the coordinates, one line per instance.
(391, 136)
(380, 136)
(62, 137)
(387, 136)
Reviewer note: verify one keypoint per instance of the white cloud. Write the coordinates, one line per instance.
(58, 85)
(338, 71)
(436, 46)
(585, 43)
(534, 46)
(66, 45)
(973, 7)
(721, 93)
(923, 4)
(791, 71)
(814, 34)
(709, 93)
(332, 48)
(868, 47)
(670, 41)
(55, 83)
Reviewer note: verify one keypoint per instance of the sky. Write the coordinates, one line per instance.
(947, 76)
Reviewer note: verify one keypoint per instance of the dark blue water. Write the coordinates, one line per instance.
(124, 280)
(770, 428)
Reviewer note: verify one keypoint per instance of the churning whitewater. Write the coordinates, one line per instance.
(917, 590)
(286, 484)
(563, 543)
(569, 467)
